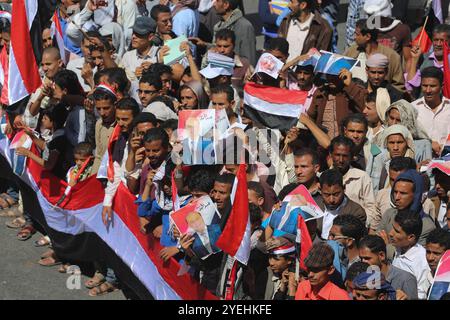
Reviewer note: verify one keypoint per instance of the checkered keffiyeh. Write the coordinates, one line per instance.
(320, 256)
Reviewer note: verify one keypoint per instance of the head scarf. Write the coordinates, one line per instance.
(399, 129)
(377, 60)
(115, 30)
(185, 4)
(382, 103)
(419, 188)
(408, 116)
(364, 281)
(197, 88)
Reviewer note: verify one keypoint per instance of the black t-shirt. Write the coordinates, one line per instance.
(65, 159)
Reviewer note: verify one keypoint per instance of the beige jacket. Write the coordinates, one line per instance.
(358, 188)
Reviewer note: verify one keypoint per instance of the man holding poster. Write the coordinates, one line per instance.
(205, 236)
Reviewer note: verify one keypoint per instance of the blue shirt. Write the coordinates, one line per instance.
(67, 43)
(186, 22)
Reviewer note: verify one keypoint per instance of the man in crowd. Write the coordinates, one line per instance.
(304, 29)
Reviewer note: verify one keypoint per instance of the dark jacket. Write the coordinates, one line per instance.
(350, 100)
(416, 206)
(319, 35)
(351, 208)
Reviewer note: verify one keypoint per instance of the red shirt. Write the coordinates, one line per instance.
(329, 292)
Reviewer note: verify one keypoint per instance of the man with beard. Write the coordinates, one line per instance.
(358, 185)
(366, 45)
(377, 69)
(334, 202)
(304, 29)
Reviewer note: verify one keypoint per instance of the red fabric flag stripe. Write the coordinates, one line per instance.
(114, 137)
(305, 241)
(446, 89)
(233, 233)
(22, 46)
(276, 95)
(423, 41)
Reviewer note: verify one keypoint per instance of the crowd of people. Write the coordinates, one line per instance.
(361, 147)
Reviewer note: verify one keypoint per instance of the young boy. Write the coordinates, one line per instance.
(319, 263)
(84, 159)
(281, 263)
(410, 255)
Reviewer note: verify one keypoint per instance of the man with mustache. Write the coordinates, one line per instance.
(413, 72)
(434, 108)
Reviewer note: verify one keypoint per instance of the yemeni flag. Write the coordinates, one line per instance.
(273, 107)
(78, 233)
(24, 76)
(235, 237)
(425, 36)
(446, 88)
(57, 35)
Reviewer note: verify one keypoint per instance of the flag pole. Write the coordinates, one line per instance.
(423, 29)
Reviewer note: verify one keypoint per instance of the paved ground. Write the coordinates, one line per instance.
(21, 277)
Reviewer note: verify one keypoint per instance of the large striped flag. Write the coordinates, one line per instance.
(78, 233)
(273, 107)
(57, 35)
(26, 46)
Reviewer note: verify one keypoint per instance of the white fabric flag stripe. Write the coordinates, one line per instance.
(243, 253)
(16, 87)
(279, 109)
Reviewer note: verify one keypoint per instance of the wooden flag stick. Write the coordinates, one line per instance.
(423, 29)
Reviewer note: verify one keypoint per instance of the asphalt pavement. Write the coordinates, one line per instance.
(22, 278)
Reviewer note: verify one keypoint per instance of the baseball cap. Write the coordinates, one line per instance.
(144, 25)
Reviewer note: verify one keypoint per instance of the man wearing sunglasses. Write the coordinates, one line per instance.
(144, 52)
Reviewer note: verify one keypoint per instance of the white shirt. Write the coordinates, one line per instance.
(132, 59)
(296, 36)
(414, 261)
(442, 215)
(436, 123)
(328, 219)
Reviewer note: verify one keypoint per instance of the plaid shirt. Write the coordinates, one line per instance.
(355, 13)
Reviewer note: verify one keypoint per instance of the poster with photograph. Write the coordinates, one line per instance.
(199, 131)
(299, 201)
(269, 64)
(201, 220)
